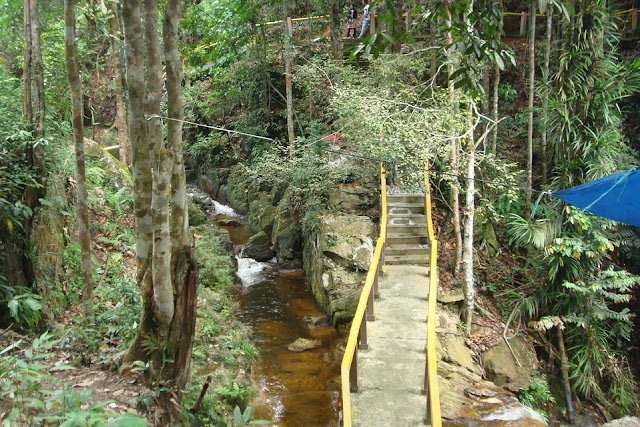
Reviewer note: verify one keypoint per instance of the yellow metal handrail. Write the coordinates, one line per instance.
(433, 415)
(359, 319)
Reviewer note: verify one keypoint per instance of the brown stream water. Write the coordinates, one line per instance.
(295, 389)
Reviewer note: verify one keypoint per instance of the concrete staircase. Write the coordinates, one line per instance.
(407, 237)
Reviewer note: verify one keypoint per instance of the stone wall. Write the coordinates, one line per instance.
(337, 254)
(336, 260)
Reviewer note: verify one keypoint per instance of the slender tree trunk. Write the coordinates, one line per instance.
(467, 257)
(564, 368)
(532, 76)
(166, 267)
(179, 213)
(453, 159)
(288, 84)
(142, 180)
(336, 45)
(38, 82)
(162, 164)
(183, 263)
(496, 91)
(118, 75)
(27, 106)
(73, 75)
(545, 101)
(496, 113)
(486, 100)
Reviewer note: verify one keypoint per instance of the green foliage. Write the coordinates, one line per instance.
(475, 40)
(16, 176)
(215, 268)
(537, 395)
(507, 93)
(582, 296)
(9, 104)
(24, 307)
(23, 375)
(234, 394)
(215, 32)
(584, 121)
(243, 418)
(118, 307)
(391, 114)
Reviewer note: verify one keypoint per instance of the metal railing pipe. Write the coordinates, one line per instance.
(433, 415)
(348, 367)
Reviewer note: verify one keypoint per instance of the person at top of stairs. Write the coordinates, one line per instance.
(366, 19)
(351, 21)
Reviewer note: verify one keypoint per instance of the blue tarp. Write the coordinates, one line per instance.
(615, 196)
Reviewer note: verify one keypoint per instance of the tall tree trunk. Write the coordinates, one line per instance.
(496, 113)
(453, 158)
(141, 166)
(73, 75)
(162, 162)
(467, 257)
(336, 45)
(564, 368)
(38, 83)
(288, 84)
(166, 268)
(545, 101)
(496, 91)
(118, 75)
(179, 213)
(183, 263)
(27, 106)
(532, 76)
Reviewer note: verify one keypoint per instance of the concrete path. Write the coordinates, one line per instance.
(391, 371)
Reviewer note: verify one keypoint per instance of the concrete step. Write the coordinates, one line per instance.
(402, 208)
(399, 219)
(406, 198)
(415, 229)
(414, 259)
(391, 250)
(406, 239)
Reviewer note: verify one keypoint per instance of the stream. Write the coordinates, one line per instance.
(295, 389)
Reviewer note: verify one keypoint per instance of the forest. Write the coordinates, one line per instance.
(191, 193)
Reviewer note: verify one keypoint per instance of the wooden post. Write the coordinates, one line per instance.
(373, 23)
(523, 24)
(362, 335)
(289, 86)
(370, 315)
(634, 19)
(353, 374)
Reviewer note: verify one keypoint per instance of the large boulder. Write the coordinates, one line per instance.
(504, 370)
(353, 197)
(624, 422)
(287, 236)
(336, 260)
(258, 247)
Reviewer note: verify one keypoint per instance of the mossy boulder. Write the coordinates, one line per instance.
(336, 260)
(353, 198)
(504, 370)
(197, 215)
(258, 247)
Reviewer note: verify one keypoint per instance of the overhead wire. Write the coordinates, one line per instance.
(343, 153)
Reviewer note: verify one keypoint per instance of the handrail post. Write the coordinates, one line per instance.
(362, 334)
(376, 293)
(523, 24)
(353, 374)
(370, 315)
